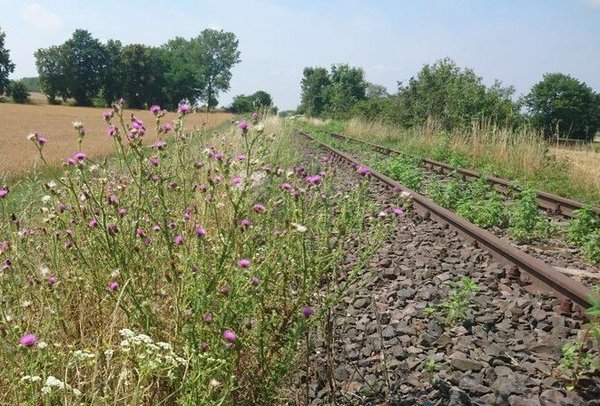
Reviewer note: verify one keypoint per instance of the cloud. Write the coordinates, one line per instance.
(41, 18)
(593, 3)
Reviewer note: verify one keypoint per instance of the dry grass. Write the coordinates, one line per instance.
(18, 155)
(585, 163)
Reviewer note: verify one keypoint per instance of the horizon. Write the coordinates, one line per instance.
(514, 43)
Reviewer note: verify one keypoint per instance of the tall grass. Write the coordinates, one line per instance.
(521, 155)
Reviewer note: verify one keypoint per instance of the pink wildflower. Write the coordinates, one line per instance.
(184, 109)
(80, 156)
(160, 145)
(241, 157)
(4, 191)
(200, 232)
(236, 181)
(93, 223)
(166, 127)
(398, 211)
(244, 263)
(363, 170)
(112, 131)
(154, 161)
(255, 281)
(243, 125)
(155, 109)
(229, 336)
(178, 240)
(308, 312)
(28, 340)
(112, 286)
(259, 208)
(255, 116)
(313, 180)
(245, 223)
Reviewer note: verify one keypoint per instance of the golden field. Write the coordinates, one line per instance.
(18, 155)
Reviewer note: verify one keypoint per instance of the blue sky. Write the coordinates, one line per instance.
(515, 41)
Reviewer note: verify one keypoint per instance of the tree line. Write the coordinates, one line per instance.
(196, 69)
(453, 97)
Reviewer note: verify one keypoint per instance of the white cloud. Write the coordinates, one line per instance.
(593, 3)
(42, 18)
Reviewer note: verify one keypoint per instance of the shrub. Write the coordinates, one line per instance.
(18, 92)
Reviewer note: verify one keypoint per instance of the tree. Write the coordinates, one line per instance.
(183, 74)
(112, 81)
(374, 91)
(347, 88)
(143, 75)
(32, 84)
(6, 66)
(561, 104)
(51, 67)
(314, 98)
(254, 102)
(18, 91)
(217, 52)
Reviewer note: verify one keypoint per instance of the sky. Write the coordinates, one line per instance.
(514, 41)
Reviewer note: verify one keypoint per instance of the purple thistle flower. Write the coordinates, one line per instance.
(42, 141)
(156, 228)
(229, 336)
(259, 208)
(107, 115)
(178, 240)
(155, 109)
(112, 229)
(308, 312)
(225, 289)
(241, 157)
(255, 116)
(93, 223)
(137, 123)
(4, 191)
(245, 223)
(154, 178)
(160, 145)
(112, 198)
(363, 170)
(208, 317)
(61, 207)
(236, 181)
(184, 108)
(167, 127)
(313, 180)
(139, 233)
(285, 186)
(112, 131)
(52, 280)
(154, 161)
(398, 211)
(200, 232)
(28, 340)
(80, 156)
(5, 265)
(243, 125)
(244, 263)
(148, 241)
(255, 281)
(71, 161)
(122, 212)
(112, 286)
(121, 101)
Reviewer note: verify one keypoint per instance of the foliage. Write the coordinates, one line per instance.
(52, 72)
(455, 310)
(482, 205)
(113, 80)
(254, 102)
(584, 230)
(525, 221)
(562, 105)
(6, 65)
(142, 70)
(402, 168)
(32, 84)
(314, 97)
(577, 357)
(446, 194)
(18, 91)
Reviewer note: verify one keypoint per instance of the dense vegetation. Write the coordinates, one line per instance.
(254, 102)
(82, 68)
(453, 97)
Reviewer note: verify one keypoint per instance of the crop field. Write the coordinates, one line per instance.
(18, 155)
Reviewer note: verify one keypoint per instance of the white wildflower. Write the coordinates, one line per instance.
(42, 345)
(46, 198)
(164, 346)
(124, 332)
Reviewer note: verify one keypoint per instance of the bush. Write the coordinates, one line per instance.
(18, 91)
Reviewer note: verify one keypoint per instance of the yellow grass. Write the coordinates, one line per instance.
(18, 155)
(585, 163)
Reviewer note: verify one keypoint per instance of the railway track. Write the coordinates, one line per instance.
(546, 201)
(542, 272)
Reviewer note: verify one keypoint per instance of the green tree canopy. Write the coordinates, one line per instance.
(254, 102)
(6, 66)
(18, 91)
(564, 105)
(143, 69)
(112, 80)
(51, 67)
(314, 99)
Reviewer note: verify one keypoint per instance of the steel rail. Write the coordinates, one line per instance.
(501, 250)
(546, 201)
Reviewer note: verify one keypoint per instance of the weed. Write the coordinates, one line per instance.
(526, 222)
(584, 230)
(482, 205)
(402, 168)
(455, 310)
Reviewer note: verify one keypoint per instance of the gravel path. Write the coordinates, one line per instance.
(505, 353)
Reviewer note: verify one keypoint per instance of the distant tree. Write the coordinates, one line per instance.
(348, 87)
(6, 66)
(18, 91)
(143, 75)
(254, 102)
(32, 84)
(112, 80)
(374, 91)
(183, 74)
(51, 66)
(314, 97)
(217, 52)
(563, 104)
(85, 66)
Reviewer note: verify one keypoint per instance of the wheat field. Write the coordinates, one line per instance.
(18, 155)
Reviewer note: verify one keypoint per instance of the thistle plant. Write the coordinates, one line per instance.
(454, 310)
(526, 222)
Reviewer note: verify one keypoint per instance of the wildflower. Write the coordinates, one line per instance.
(42, 141)
(61, 208)
(398, 211)
(71, 161)
(77, 125)
(28, 340)
(243, 125)
(184, 108)
(229, 336)
(178, 240)
(225, 289)
(259, 208)
(52, 280)
(148, 241)
(4, 191)
(208, 317)
(254, 116)
(107, 115)
(313, 180)
(244, 263)
(241, 157)
(80, 156)
(308, 312)
(122, 212)
(245, 223)
(299, 228)
(200, 232)
(154, 178)
(112, 131)
(5, 265)
(137, 123)
(155, 109)
(154, 161)
(112, 286)
(166, 127)
(363, 170)
(93, 223)
(285, 186)
(112, 229)
(160, 145)
(156, 228)
(112, 198)
(255, 281)
(121, 101)
(236, 181)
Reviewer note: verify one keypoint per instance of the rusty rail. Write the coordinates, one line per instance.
(546, 201)
(501, 250)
